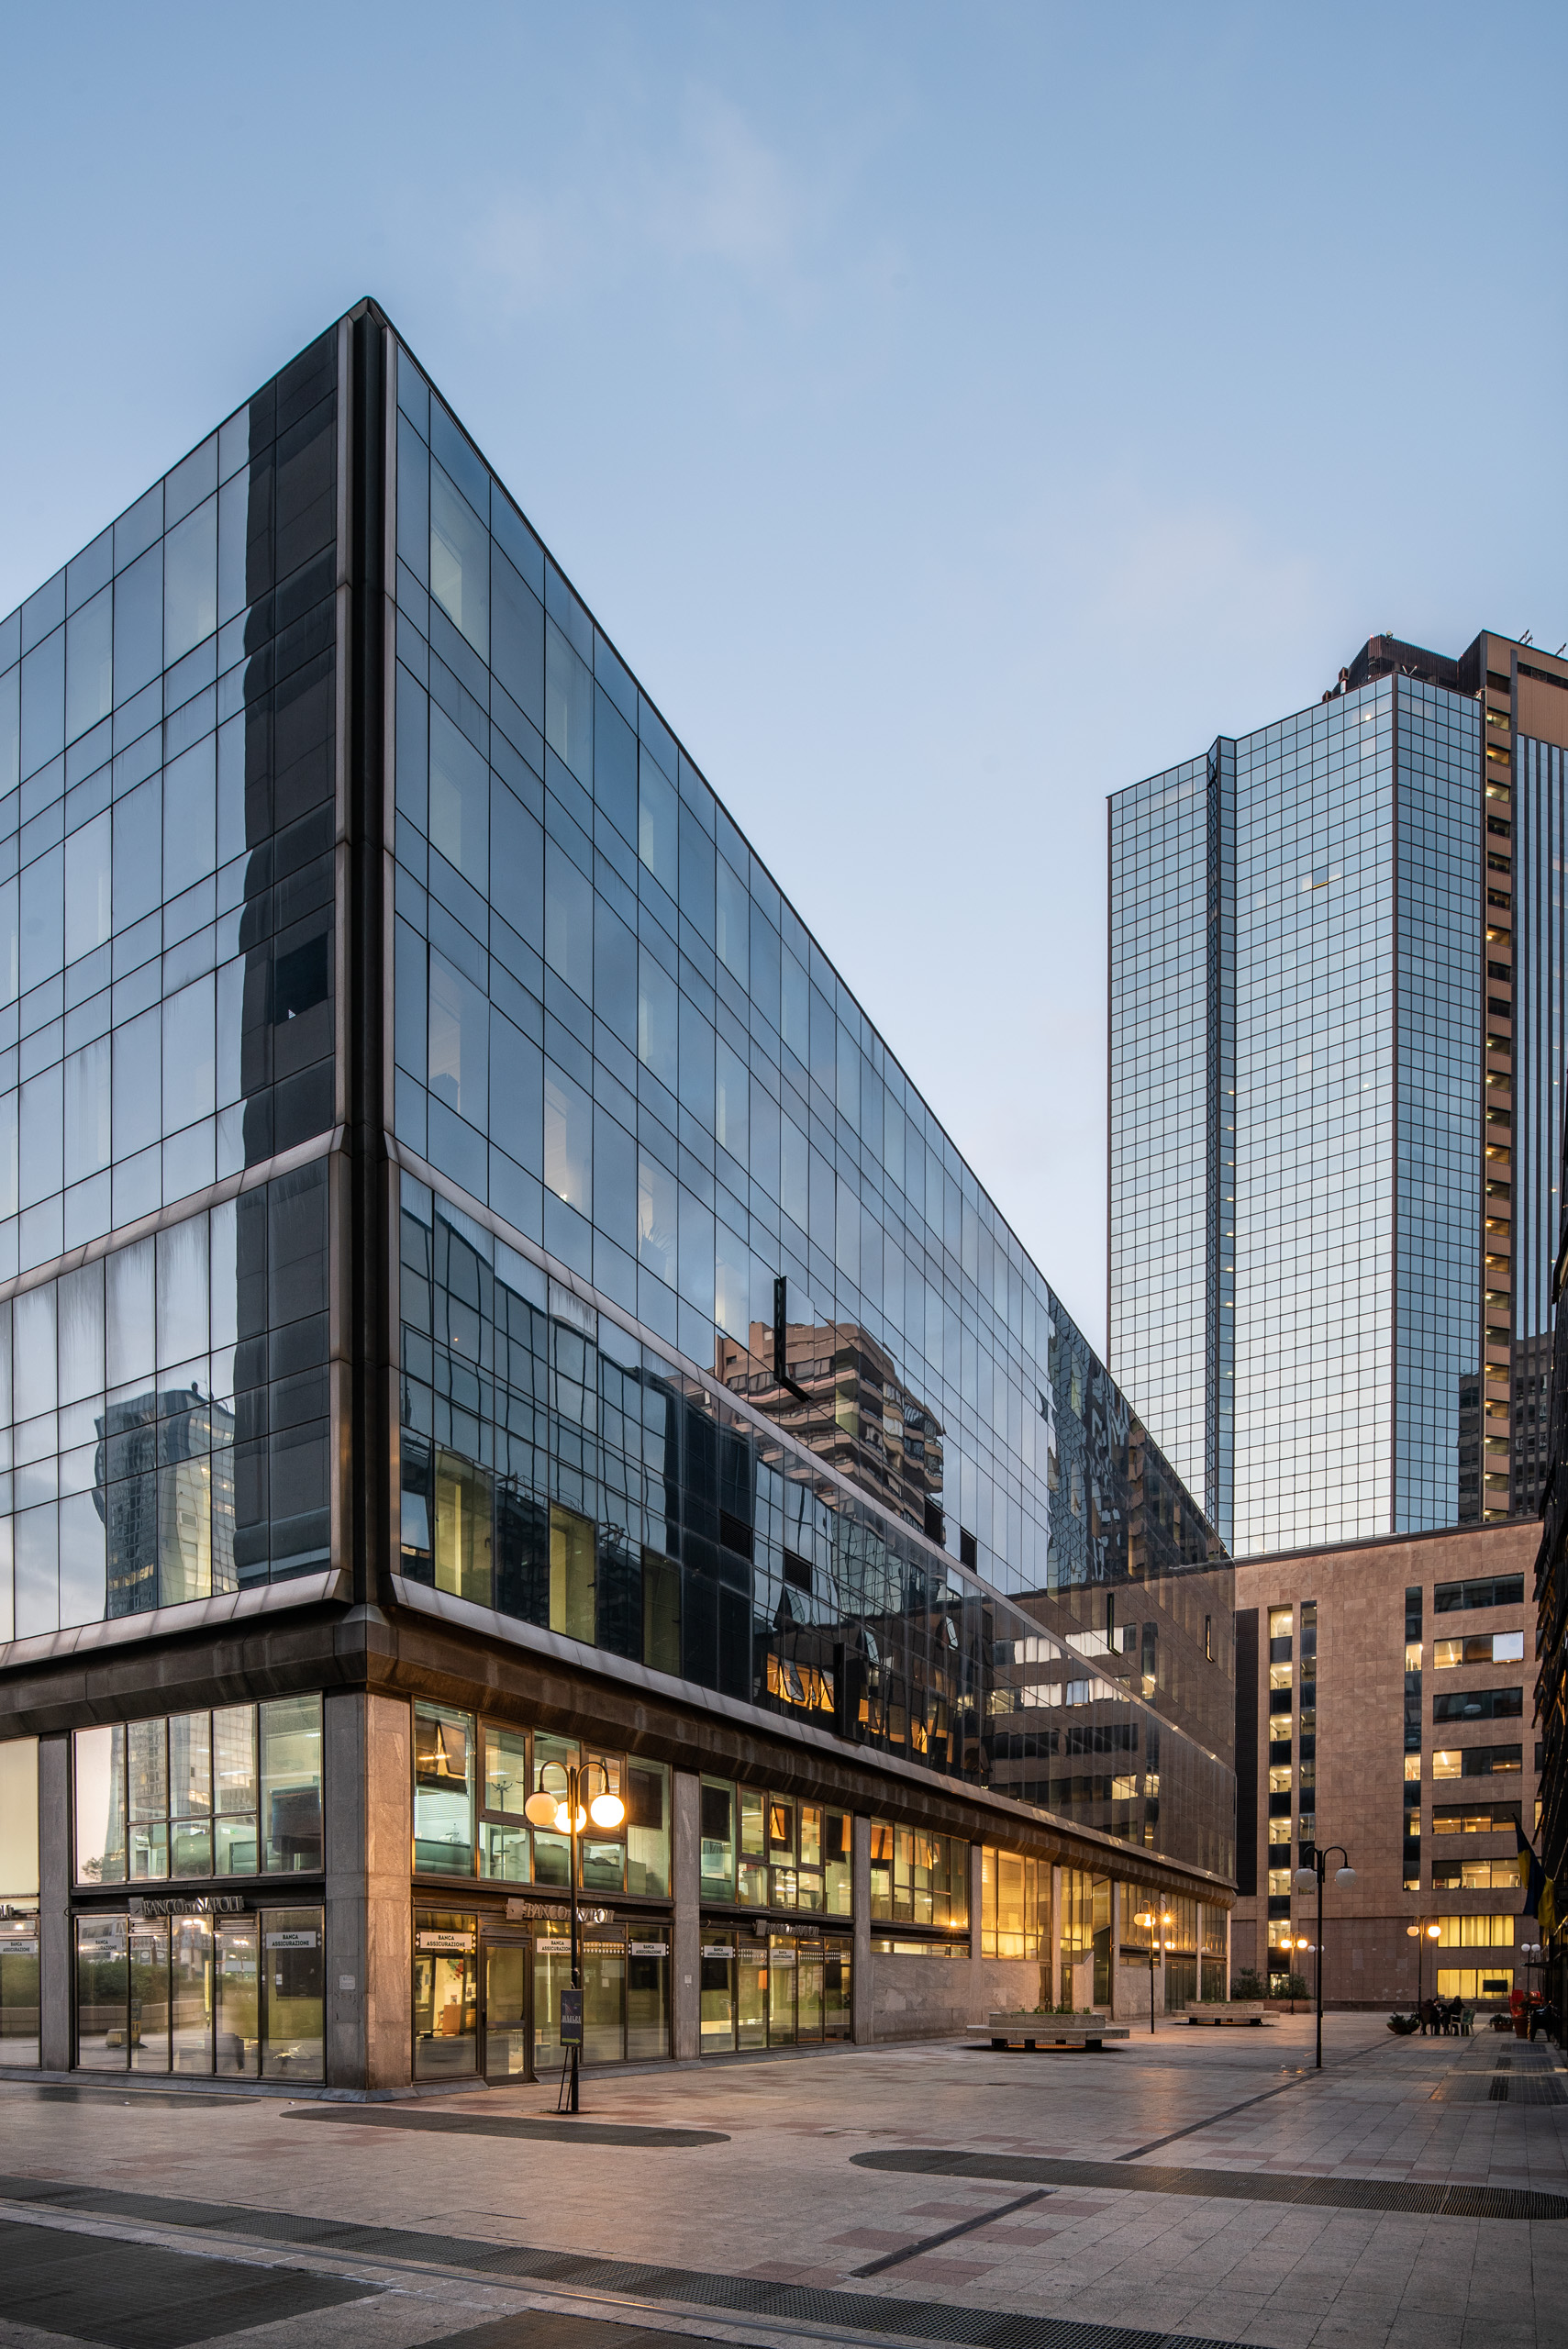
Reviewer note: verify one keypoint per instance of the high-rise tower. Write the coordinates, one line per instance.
(1337, 977)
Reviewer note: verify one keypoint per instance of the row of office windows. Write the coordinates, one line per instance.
(472, 1782)
(486, 2000)
(611, 1031)
(558, 1472)
(166, 904)
(164, 1413)
(237, 1791)
(234, 1791)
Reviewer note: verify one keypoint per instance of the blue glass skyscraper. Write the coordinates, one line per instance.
(1337, 977)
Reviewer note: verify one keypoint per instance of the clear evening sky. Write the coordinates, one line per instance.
(952, 412)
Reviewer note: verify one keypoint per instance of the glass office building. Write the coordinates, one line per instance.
(1337, 979)
(468, 1266)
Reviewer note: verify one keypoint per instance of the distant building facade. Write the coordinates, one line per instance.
(1339, 958)
(1385, 1702)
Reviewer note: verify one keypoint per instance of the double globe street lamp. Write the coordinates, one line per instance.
(1306, 1877)
(565, 1814)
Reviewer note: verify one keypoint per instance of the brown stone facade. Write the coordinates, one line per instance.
(1346, 1778)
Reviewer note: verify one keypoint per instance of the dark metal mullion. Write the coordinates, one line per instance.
(367, 1495)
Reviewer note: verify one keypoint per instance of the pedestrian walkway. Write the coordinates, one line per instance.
(1190, 2186)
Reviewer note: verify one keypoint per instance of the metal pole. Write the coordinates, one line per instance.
(1321, 1872)
(572, 1790)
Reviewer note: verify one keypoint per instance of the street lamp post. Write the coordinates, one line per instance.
(1152, 1919)
(567, 1816)
(1306, 1877)
(1419, 1933)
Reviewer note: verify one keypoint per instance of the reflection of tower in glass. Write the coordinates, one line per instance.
(164, 1489)
(845, 1399)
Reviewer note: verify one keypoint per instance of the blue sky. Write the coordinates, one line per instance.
(953, 413)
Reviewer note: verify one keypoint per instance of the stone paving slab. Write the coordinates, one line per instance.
(1225, 2265)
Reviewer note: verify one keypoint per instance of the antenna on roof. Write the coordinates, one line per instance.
(1526, 637)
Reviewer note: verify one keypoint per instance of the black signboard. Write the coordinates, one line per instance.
(571, 2018)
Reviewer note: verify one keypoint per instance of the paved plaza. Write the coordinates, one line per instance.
(1202, 2184)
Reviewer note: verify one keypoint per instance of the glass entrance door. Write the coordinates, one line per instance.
(809, 1992)
(751, 1994)
(239, 1986)
(718, 1998)
(508, 1966)
(781, 1996)
(446, 2003)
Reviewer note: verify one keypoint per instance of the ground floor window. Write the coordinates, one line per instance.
(486, 1994)
(236, 1997)
(1475, 1981)
(782, 1992)
(1181, 1981)
(1015, 1904)
(626, 1995)
(18, 1990)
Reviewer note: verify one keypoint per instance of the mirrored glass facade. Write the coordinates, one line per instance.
(1159, 1109)
(477, 1291)
(614, 1039)
(167, 947)
(1337, 977)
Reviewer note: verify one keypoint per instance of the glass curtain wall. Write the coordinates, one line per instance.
(1159, 1105)
(1314, 1053)
(611, 1032)
(1439, 1110)
(168, 1413)
(556, 1471)
(167, 1020)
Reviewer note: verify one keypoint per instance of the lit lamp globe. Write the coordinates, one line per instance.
(1306, 1879)
(605, 1810)
(541, 1809)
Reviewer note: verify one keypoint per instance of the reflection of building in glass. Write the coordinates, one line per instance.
(844, 1398)
(164, 1467)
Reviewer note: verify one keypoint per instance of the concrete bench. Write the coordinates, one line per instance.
(1035, 2032)
(1232, 2011)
